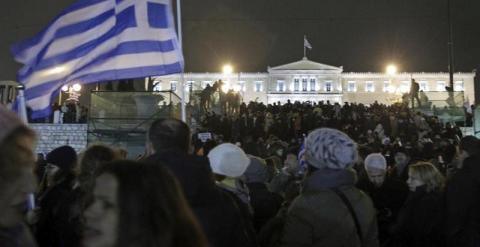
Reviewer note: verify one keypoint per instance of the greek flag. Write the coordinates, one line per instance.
(306, 43)
(98, 40)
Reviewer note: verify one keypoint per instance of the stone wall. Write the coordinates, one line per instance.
(51, 136)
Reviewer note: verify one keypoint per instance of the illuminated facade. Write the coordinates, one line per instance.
(306, 80)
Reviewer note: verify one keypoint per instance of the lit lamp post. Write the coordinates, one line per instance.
(227, 71)
(391, 71)
(72, 90)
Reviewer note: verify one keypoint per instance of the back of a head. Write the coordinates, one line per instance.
(12, 154)
(257, 171)
(152, 208)
(470, 144)
(16, 167)
(92, 158)
(65, 157)
(169, 134)
(330, 148)
(228, 160)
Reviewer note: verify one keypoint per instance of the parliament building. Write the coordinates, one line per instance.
(306, 80)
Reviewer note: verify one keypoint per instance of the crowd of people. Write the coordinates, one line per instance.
(298, 174)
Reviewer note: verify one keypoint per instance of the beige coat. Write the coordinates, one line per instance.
(318, 217)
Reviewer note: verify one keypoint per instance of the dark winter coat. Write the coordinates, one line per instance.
(387, 199)
(419, 222)
(319, 217)
(463, 204)
(59, 220)
(265, 204)
(18, 236)
(214, 208)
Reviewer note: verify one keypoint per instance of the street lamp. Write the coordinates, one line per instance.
(391, 69)
(72, 91)
(227, 69)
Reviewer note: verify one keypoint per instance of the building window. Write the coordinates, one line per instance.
(369, 86)
(258, 86)
(458, 86)
(328, 86)
(2, 92)
(304, 84)
(173, 86)
(386, 86)
(351, 86)
(313, 84)
(405, 86)
(423, 86)
(296, 84)
(157, 86)
(241, 85)
(280, 86)
(441, 86)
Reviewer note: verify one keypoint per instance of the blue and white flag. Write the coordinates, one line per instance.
(306, 43)
(98, 40)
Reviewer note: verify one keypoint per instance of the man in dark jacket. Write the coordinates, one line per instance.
(388, 194)
(462, 198)
(169, 144)
(264, 202)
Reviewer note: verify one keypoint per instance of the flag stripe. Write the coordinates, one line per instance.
(66, 44)
(82, 49)
(132, 35)
(43, 101)
(78, 12)
(110, 40)
(132, 47)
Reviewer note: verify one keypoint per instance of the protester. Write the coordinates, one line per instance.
(419, 221)
(388, 194)
(330, 211)
(17, 180)
(58, 221)
(265, 203)
(92, 161)
(462, 200)
(229, 163)
(146, 212)
(169, 145)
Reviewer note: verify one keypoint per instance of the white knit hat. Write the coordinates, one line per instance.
(375, 161)
(229, 160)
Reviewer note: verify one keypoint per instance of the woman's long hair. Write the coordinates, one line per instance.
(429, 174)
(13, 156)
(152, 208)
(92, 160)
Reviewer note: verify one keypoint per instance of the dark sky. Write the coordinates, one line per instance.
(361, 35)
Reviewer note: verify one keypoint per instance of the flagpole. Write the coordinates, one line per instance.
(22, 112)
(182, 75)
(304, 47)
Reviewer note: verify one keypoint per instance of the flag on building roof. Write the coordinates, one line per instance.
(306, 43)
(98, 40)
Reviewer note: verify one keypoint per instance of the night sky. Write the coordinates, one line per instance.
(361, 35)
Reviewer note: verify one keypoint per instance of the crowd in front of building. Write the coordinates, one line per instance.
(298, 174)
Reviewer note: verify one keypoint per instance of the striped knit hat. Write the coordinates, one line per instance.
(330, 148)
